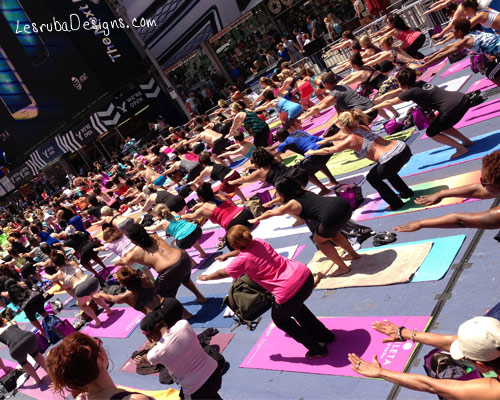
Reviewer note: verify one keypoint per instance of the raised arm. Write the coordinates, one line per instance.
(448, 50)
(258, 175)
(220, 274)
(292, 207)
(237, 122)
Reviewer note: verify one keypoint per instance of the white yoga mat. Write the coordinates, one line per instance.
(287, 252)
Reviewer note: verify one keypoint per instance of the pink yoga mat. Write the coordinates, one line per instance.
(8, 364)
(482, 85)
(119, 325)
(432, 71)
(42, 391)
(209, 239)
(276, 351)
(458, 66)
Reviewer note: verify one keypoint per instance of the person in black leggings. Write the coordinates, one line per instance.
(79, 364)
(20, 344)
(28, 300)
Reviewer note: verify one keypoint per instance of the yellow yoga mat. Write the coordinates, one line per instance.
(169, 394)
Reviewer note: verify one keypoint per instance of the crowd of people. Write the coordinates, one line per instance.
(125, 210)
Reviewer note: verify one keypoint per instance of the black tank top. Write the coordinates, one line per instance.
(325, 210)
(12, 336)
(219, 171)
(277, 172)
(67, 214)
(144, 295)
(162, 196)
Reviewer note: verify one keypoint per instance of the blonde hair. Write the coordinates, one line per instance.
(111, 234)
(365, 40)
(222, 103)
(162, 211)
(387, 41)
(106, 211)
(351, 119)
(287, 73)
(239, 237)
(236, 107)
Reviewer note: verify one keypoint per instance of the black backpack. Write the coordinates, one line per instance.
(249, 301)
(9, 381)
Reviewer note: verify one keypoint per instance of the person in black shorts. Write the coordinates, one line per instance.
(20, 344)
(452, 106)
(28, 300)
(327, 214)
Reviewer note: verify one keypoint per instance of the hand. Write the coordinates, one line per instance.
(409, 227)
(253, 220)
(428, 200)
(269, 204)
(140, 359)
(387, 328)
(369, 111)
(222, 257)
(204, 278)
(437, 36)
(232, 183)
(310, 153)
(365, 368)
(322, 142)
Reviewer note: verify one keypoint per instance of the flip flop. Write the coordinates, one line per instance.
(383, 238)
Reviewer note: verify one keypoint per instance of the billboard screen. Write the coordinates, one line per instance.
(55, 59)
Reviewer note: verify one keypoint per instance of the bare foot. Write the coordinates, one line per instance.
(203, 255)
(467, 143)
(186, 314)
(97, 324)
(324, 192)
(459, 153)
(340, 271)
(318, 277)
(298, 223)
(201, 300)
(354, 256)
(110, 312)
(335, 183)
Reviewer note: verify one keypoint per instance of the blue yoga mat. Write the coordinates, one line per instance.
(440, 157)
(440, 258)
(238, 163)
(208, 315)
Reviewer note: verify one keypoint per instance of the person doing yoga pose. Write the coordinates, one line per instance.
(325, 216)
(390, 156)
(452, 106)
(291, 283)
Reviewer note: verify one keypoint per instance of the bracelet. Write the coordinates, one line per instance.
(413, 333)
(400, 336)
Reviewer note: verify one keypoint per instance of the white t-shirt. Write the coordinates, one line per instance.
(180, 352)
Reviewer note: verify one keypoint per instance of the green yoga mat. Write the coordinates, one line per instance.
(346, 161)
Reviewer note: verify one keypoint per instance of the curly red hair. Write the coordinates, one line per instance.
(491, 168)
(73, 363)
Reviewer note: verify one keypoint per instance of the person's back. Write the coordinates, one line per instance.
(182, 355)
(347, 99)
(279, 275)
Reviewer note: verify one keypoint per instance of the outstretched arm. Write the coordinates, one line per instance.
(475, 191)
(484, 220)
(447, 388)
(220, 274)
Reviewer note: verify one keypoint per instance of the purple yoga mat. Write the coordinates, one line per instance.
(255, 187)
(482, 85)
(479, 113)
(119, 325)
(209, 239)
(277, 351)
(432, 71)
(458, 66)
